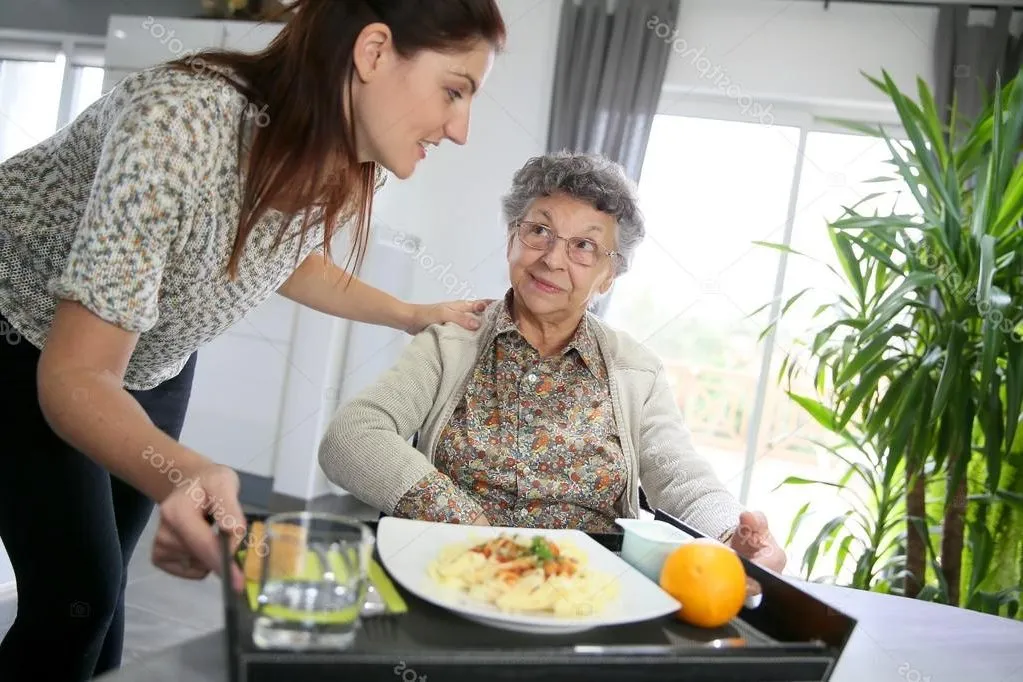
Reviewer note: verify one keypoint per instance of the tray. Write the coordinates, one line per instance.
(790, 636)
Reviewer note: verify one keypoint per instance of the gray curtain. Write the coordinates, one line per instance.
(608, 76)
(612, 57)
(969, 52)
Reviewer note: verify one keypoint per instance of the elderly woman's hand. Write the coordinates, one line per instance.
(465, 313)
(752, 539)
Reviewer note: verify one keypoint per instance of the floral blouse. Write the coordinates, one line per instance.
(533, 441)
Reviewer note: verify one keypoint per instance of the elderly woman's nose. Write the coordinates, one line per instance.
(556, 257)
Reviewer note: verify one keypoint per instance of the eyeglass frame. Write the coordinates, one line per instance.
(613, 255)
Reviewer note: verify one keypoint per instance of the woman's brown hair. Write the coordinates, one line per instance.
(302, 159)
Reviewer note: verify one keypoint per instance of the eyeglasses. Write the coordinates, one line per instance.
(580, 250)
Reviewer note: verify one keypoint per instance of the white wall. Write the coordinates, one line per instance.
(781, 51)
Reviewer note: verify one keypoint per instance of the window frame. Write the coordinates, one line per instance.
(807, 117)
(72, 50)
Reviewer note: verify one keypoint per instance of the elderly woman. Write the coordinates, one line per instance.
(544, 417)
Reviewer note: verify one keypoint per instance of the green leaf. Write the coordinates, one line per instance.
(850, 265)
(992, 343)
(994, 432)
(913, 184)
(982, 202)
(843, 552)
(946, 434)
(866, 355)
(987, 269)
(799, 480)
(541, 549)
(932, 121)
(877, 253)
(881, 224)
(824, 335)
(971, 149)
(897, 300)
(1011, 210)
(1013, 128)
(921, 528)
(928, 163)
(855, 126)
(903, 420)
(959, 457)
(797, 521)
(949, 371)
(866, 386)
(827, 531)
(821, 414)
(783, 248)
(982, 548)
(1013, 390)
(995, 184)
(894, 393)
(953, 230)
(1010, 497)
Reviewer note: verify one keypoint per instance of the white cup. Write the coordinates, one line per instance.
(647, 544)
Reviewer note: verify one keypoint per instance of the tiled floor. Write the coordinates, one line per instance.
(161, 610)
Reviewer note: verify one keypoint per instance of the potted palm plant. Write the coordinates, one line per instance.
(919, 364)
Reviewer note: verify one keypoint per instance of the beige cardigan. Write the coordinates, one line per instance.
(366, 448)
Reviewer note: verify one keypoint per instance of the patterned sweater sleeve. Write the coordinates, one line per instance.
(156, 152)
(437, 498)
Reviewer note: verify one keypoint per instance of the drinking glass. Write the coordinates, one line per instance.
(313, 582)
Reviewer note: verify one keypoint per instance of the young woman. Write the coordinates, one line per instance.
(174, 205)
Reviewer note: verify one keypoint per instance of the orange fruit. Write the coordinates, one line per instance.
(708, 579)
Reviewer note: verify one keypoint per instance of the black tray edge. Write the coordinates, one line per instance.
(785, 609)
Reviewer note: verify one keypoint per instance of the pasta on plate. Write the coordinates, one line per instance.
(519, 574)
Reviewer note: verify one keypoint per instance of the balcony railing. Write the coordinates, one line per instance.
(717, 405)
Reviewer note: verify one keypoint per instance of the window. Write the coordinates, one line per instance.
(696, 294)
(29, 102)
(88, 86)
(44, 84)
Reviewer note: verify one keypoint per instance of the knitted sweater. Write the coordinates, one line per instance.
(366, 448)
(131, 210)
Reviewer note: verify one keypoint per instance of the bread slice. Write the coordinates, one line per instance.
(287, 551)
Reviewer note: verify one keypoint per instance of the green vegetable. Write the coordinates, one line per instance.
(541, 549)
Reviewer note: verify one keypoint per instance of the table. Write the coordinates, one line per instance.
(896, 640)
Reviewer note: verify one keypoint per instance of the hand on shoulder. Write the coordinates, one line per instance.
(463, 313)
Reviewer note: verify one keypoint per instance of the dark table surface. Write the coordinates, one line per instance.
(896, 640)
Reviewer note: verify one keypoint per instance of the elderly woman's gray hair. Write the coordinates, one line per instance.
(592, 178)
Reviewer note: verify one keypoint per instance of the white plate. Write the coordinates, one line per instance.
(408, 546)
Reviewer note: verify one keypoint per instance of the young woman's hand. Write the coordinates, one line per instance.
(465, 313)
(186, 545)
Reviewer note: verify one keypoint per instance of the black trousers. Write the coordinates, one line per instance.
(69, 528)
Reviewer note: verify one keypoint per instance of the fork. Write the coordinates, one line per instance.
(378, 622)
(374, 605)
